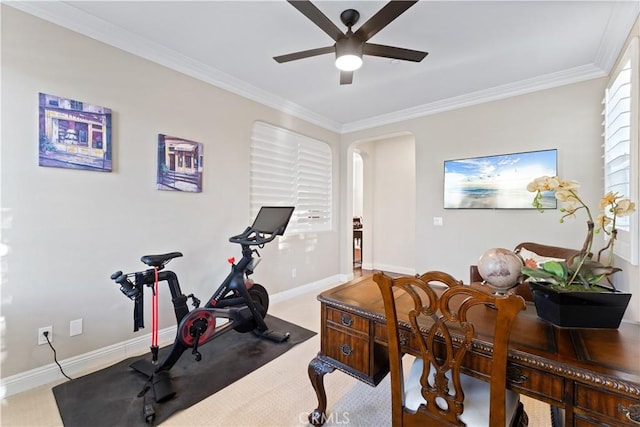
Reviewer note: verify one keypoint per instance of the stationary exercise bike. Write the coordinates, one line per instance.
(243, 303)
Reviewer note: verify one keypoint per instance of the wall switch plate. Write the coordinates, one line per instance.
(437, 221)
(75, 327)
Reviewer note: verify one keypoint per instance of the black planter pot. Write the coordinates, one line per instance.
(580, 309)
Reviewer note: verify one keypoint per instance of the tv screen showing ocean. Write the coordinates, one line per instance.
(498, 182)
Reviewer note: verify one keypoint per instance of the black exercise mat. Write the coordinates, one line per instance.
(109, 397)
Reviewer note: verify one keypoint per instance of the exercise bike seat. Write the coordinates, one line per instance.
(159, 260)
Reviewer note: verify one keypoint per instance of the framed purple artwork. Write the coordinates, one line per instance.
(179, 164)
(74, 134)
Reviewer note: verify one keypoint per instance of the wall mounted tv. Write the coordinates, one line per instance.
(498, 182)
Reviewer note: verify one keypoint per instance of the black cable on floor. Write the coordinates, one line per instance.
(54, 356)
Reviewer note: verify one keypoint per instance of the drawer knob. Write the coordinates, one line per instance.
(514, 375)
(404, 340)
(632, 412)
(346, 320)
(346, 350)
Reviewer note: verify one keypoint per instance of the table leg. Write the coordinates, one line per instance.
(317, 369)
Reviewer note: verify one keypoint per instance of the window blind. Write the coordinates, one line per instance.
(289, 169)
(621, 146)
(617, 138)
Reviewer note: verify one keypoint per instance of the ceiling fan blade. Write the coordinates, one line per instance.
(309, 10)
(388, 13)
(304, 54)
(393, 52)
(346, 77)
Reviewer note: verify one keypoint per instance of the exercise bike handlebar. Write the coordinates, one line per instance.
(126, 286)
(252, 237)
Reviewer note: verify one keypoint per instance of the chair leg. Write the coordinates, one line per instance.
(521, 419)
(557, 419)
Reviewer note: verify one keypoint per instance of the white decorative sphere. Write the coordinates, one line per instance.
(500, 268)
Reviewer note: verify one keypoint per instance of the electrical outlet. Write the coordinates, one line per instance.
(41, 338)
(293, 272)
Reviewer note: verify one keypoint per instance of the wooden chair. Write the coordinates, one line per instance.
(427, 317)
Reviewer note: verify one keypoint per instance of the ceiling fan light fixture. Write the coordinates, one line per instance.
(348, 54)
(348, 62)
(349, 46)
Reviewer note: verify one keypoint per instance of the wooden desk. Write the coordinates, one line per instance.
(594, 374)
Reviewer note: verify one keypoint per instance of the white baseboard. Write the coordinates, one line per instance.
(394, 269)
(83, 363)
(89, 362)
(313, 286)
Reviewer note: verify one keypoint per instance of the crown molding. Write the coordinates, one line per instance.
(98, 29)
(560, 78)
(76, 20)
(618, 27)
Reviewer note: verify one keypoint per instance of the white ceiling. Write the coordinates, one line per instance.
(478, 50)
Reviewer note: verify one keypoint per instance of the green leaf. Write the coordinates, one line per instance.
(558, 269)
(537, 273)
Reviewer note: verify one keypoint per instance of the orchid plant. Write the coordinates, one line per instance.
(584, 272)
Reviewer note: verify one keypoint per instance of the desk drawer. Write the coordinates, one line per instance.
(611, 406)
(535, 383)
(538, 384)
(351, 350)
(346, 320)
(580, 421)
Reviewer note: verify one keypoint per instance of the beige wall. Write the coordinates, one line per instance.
(68, 230)
(567, 118)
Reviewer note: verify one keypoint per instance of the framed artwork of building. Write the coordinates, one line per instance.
(179, 164)
(74, 134)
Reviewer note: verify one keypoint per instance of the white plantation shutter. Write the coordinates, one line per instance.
(621, 147)
(617, 137)
(289, 169)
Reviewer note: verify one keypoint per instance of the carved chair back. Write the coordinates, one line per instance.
(428, 317)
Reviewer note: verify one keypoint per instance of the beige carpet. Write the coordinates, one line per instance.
(278, 394)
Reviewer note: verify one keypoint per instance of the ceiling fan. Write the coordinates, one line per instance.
(349, 47)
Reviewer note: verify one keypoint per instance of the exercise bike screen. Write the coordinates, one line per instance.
(272, 219)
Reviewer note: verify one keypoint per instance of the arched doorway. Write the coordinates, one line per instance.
(383, 198)
(358, 207)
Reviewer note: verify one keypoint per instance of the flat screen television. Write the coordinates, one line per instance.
(498, 182)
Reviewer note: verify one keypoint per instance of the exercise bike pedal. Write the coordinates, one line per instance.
(149, 413)
(144, 366)
(278, 337)
(162, 388)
